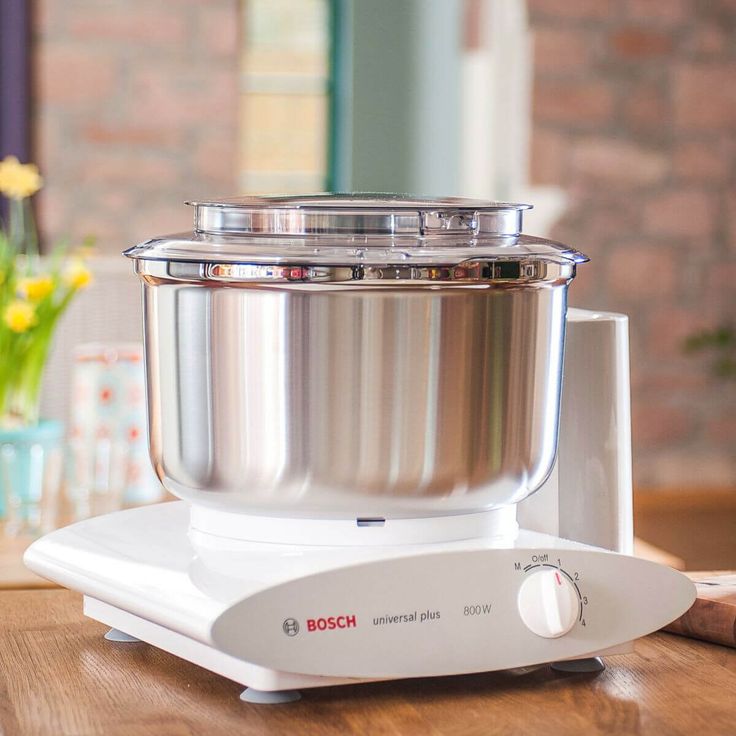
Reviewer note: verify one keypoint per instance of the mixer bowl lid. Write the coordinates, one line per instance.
(358, 214)
(348, 229)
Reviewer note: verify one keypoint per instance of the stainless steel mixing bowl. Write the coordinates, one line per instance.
(354, 356)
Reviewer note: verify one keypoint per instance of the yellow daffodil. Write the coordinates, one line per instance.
(37, 288)
(77, 275)
(18, 180)
(19, 315)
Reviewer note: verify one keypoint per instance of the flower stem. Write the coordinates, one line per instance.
(16, 221)
(30, 233)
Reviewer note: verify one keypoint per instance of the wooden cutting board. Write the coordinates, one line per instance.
(713, 615)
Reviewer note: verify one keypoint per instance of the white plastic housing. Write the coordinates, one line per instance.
(407, 611)
(588, 496)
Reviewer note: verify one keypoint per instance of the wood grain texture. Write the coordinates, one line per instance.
(59, 676)
(713, 615)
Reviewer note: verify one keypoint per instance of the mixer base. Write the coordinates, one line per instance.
(259, 681)
(278, 618)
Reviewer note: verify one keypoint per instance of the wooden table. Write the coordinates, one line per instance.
(59, 676)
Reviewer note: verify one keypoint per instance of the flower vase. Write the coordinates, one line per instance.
(34, 294)
(31, 459)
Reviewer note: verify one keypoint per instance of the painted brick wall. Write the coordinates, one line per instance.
(635, 115)
(136, 110)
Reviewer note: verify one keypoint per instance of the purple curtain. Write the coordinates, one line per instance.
(15, 79)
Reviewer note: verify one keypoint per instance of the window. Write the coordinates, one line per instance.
(285, 78)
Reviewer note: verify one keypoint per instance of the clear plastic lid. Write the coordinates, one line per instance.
(350, 229)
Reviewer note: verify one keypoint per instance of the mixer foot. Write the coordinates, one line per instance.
(590, 664)
(273, 697)
(120, 636)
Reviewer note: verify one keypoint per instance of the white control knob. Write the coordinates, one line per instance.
(548, 603)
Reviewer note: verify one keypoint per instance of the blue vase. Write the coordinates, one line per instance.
(30, 464)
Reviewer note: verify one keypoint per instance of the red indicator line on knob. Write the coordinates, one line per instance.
(557, 578)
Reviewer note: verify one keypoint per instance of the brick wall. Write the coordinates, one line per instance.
(634, 115)
(136, 111)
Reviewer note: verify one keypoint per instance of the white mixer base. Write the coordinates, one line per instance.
(277, 617)
(260, 679)
(275, 683)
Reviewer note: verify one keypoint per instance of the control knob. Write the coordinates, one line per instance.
(548, 603)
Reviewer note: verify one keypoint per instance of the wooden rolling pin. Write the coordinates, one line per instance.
(713, 615)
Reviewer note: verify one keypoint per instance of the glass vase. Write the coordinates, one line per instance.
(31, 460)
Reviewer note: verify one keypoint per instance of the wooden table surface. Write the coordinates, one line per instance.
(59, 676)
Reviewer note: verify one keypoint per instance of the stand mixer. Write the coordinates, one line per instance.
(356, 396)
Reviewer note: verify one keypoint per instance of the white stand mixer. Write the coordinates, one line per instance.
(280, 605)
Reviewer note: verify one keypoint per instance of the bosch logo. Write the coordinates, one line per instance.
(329, 623)
(290, 627)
